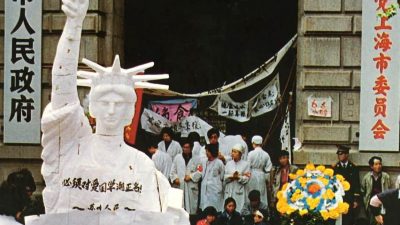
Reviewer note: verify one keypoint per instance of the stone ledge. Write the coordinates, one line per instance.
(325, 78)
(56, 21)
(325, 23)
(353, 5)
(20, 151)
(357, 24)
(351, 51)
(322, 5)
(356, 79)
(350, 106)
(326, 133)
(310, 54)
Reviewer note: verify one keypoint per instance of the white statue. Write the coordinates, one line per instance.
(98, 172)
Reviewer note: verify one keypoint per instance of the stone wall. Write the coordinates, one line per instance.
(102, 38)
(329, 58)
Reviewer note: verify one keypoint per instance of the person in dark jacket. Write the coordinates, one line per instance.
(390, 200)
(15, 194)
(229, 216)
(350, 172)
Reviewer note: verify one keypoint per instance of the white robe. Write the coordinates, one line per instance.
(173, 149)
(190, 188)
(260, 165)
(90, 172)
(211, 185)
(163, 162)
(236, 188)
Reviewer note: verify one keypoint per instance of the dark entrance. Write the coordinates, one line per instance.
(204, 44)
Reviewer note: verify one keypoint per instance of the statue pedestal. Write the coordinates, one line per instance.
(173, 216)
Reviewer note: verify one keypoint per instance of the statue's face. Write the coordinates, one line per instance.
(112, 113)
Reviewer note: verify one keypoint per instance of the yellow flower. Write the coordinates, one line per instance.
(284, 187)
(328, 172)
(296, 196)
(323, 180)
(300, 173)
(310, 166)
(292, 176)
(321, 168)
(334, 214)
(312, 202)
(303, 181)
(343, 207)
(290, 210)
(346, 185)
(303, 212)
(325, 214)
(339, 177)
(279, 195)
(328, 194)
(282, 206)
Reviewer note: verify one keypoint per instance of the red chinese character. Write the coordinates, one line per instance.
(382, 61)
(383, 25)
(380, 107)
(381, 4)
(380, 129)
(383, 41)
(381, 85)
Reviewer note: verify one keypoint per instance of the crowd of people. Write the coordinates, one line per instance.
(236, 186)
(236, 189)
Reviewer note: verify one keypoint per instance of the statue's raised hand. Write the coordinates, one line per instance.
(75, 9)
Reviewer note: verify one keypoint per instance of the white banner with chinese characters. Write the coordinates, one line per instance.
(153, 123)
(380, 70)
(22, 71)
(265, 101)
(320, 107)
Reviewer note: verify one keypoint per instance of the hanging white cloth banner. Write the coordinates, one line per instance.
(262, 72)
(226, 107)
(265, 101)
(153, 123)
(285, 134)
(320, 107)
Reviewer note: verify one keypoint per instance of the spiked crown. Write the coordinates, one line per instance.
(117, 75)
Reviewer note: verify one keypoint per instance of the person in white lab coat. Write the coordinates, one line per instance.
(237, 174)
(213, 175)
(169, 145)
(162, 160)
(260, 165)
(185, 175)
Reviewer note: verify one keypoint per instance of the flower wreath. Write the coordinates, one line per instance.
(315, 194)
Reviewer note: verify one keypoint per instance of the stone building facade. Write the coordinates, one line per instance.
(329, 64)
(102, 38)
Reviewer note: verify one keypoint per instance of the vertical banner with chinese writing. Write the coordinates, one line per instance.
(22, 71)
(380, 71)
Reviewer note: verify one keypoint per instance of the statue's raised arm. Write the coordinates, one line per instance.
(65, 65)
